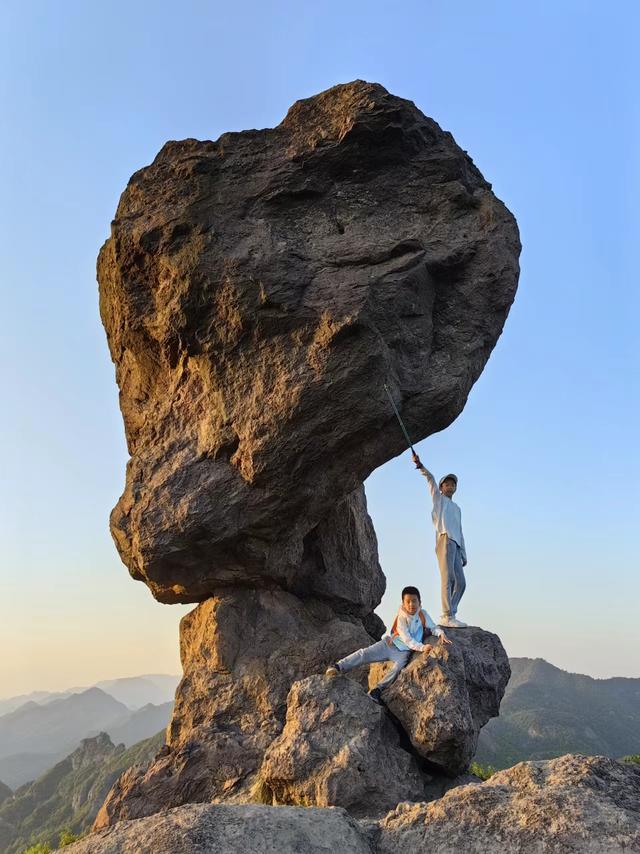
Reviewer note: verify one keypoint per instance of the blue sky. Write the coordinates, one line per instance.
(543, 97)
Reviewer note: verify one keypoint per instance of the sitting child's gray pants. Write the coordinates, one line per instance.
(380, 651)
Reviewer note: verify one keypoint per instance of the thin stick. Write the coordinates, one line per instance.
(395, 409)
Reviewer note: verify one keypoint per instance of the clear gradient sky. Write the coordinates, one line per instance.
(544, 97)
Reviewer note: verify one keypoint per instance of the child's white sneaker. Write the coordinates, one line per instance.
(451, 623)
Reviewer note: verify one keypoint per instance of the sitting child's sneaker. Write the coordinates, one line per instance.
(332, 670)
(376, 696)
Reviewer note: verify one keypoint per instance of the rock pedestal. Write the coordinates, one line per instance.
(241, 652)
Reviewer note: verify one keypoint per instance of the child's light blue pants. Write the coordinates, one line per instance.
(452, 580)
(380, 651)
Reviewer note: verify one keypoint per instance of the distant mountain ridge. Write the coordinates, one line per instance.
(69, 794)
(33, 728)
(34, 737)
(138, 691)
(547, 712)
(133, 691)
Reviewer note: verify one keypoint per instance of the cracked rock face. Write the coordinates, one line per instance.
(339, 748)
(257, 291)
(241, 652)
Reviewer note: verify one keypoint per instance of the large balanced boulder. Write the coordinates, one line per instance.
(339, 748)
(443, 699)
(570, 805)
(241, 652)
(257, 292)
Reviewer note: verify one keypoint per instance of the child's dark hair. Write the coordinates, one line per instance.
(411, 591)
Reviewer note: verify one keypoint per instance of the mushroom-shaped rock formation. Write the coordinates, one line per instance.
(257, 292)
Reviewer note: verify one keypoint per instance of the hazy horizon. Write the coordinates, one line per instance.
(74, 688)
(543, 98)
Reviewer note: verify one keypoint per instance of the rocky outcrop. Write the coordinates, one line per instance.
(240, 734)
(224, 828)
(571, 805)
(241, 652)
(442, 700)
(339, 748)
(257, 292)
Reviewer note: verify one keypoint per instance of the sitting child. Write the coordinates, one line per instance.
(411, 627)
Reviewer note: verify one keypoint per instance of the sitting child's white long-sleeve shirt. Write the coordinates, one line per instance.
(410, 628)
(446, 515)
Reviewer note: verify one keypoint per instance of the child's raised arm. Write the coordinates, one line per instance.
(433, 486)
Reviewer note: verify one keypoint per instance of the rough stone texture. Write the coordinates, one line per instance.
(443, 699)
(256, 292)
(571, 805)
(241, 652)
(339, 748)
(225, 829)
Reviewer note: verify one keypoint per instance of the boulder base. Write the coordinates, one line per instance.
(443, 699)
(339, 748)
(241, 652)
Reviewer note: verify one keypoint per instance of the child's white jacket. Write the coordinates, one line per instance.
(410, 630)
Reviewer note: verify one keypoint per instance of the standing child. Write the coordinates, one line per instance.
(411, 627)
(450, 547)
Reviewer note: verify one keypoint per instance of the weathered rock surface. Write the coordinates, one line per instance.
(585, 805)
(241, 652)
(339, 748)
(257, 292)
(442, 700)
(223, 829)
(571, 805)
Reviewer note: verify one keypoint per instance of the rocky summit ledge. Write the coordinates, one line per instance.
(256, 719)
(570, 805)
